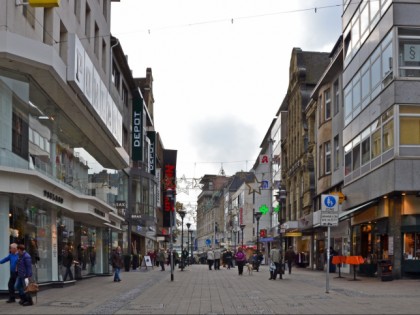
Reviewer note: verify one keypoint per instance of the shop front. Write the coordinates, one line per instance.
(411, 245)
(370, 238)
(46, 222)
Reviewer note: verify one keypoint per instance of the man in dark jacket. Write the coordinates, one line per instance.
(67, 262)
(290, 258)
(117, 263)
(13, 258)
(24, 275)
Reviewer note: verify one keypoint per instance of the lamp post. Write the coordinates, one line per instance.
(191, 242)
(282, 200)
(171, 196)
(182, 214)
(216, 227)
(242, 226)
(188, 237)
(257, 216)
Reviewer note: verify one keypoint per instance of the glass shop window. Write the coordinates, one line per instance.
(411, 246)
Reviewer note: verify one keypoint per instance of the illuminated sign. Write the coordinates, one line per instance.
(152, 152)
(169, 180)
(137, 134)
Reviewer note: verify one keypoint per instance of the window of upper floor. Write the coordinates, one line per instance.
(371, 143)
(116, 76)
(327, 104)
(336, 92)
(409, 120)
(409, 52)
(374, 75)
(361, 25)
(336, 152)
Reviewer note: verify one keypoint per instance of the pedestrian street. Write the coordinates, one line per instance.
(197, 290)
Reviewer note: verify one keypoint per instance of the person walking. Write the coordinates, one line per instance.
(210, 258)
(117, 263)
(12, 258)
(290, 257)
(161, 258)
(227, 259)
(24, 275)
(275, 257)
(240, 259)
(217, 257)
(67, 262)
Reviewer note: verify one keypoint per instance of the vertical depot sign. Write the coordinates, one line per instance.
(152, 152)
(137, 133)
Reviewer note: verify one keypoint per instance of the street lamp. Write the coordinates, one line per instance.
(188, 237)
(242, 226)
(257, 216)
(216, 228)
(281, 198)
(191, 242)
(182, 214)
(171, 197)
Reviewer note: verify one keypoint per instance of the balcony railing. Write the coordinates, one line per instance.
(64, 175)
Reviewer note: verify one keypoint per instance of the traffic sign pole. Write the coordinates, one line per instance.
(329, 217)
(328, 261)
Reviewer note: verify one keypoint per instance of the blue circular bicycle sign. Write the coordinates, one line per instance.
(330, 201)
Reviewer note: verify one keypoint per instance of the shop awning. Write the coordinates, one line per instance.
(266, 239)
(347, 214)
(112, 226)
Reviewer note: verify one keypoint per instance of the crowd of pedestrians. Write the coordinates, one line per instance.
(214, 257)
(20, 273)
(21, 264)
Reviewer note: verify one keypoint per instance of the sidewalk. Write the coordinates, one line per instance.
(198, 290)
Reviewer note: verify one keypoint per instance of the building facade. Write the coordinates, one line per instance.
(67, 93)
(380, 81)
(297, 165)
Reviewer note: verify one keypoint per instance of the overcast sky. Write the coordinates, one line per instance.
(220, 69)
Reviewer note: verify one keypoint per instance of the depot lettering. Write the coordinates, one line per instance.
(137, 133)
(137, 129)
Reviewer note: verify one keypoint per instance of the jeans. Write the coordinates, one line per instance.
(11, 285)
(240, 265)
(20, 286)
(68, 273)
(117, 274)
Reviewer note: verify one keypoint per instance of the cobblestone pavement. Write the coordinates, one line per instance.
(198, 290)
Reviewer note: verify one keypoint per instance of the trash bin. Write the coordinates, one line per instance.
(77, 272)
(127, 261)
(386, 270)
(135, 261)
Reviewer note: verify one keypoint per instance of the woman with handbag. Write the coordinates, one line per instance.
(240, 258)
(24, 274)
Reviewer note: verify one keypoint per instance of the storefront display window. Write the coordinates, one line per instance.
(32, 227)
(411, 246)
(65, 230)
(85, 238)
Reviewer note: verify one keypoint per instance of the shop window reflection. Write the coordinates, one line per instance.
(31, 226)
(412, 246)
